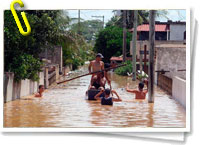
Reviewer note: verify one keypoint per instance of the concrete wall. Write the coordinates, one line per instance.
(179, 90)
(41, 76)
(140, 45)
(15, 90)
(8, 86)
(177, 31)
(54, 55)
(172, 58)
(51, 76)
(57, 72)
(25, 88)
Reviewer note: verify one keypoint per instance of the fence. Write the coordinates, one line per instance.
(165, 83)
(51, 74)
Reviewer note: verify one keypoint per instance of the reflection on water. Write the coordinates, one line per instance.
(66, 106)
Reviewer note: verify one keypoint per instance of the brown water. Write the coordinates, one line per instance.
(66, 106)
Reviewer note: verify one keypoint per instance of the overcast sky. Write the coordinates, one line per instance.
(174, 15)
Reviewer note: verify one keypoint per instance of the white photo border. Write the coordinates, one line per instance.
(44, 6)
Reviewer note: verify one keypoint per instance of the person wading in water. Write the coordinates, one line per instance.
(40, 92)
(108, 99)
(98, 79)
(140, 93)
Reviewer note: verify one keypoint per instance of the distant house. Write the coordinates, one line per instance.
(175, 31)
(119, 59)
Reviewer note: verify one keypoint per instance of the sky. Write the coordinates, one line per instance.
(87, 14)
(174, 15)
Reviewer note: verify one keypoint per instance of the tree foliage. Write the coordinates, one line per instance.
(88, 29)
(48, 28)
(109, 42)
(44, 30)
(125, 69)
(76, 53)
(25, 67)
(143, 17)
(118, 20)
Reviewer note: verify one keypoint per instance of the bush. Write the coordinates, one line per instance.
(25, 67)
(142, 76)
(125, 69)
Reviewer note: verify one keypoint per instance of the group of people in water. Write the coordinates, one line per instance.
(98, 81)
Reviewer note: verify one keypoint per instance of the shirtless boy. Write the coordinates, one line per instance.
(40, 92)
(98, 65)
(140, 93)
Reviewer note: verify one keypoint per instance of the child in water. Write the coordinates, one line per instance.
(41, 90)
(107, 100)
(140, 93)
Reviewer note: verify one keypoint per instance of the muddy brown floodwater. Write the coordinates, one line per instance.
(66, 106)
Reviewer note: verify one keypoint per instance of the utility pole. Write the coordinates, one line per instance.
(145, 58)
(79, 25)
(151, 55)
(141, 58)
(124, 35)
(100, 17)
(134, 41)
(103, 22)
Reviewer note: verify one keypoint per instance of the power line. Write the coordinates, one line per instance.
(86, 16)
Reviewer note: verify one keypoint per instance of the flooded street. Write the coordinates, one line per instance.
(66, 106)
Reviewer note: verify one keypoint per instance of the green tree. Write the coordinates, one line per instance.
(143, 16)
(76, 51)
(109, 42)
(88, 29)
(118, 20)
(25, 67)
(48, 29)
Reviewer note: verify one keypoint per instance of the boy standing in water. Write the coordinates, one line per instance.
(40, 92)
(97, 65)
(107, 100)
(140, 93)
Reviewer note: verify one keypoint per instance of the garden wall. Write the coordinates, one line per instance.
(179, 90)
(15, 90)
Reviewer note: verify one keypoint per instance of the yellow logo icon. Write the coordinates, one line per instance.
(23, 16)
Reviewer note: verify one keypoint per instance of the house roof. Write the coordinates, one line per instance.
(158, 28)
(118, 58)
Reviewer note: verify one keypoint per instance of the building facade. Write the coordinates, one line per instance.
(177, 31)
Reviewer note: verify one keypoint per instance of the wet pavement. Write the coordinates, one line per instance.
(66, 106)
